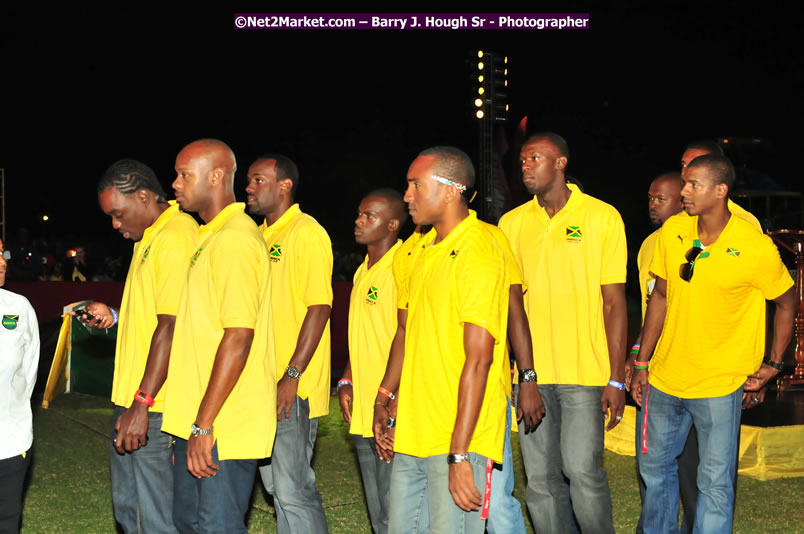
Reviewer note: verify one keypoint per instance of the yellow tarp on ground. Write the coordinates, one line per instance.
(765, 453)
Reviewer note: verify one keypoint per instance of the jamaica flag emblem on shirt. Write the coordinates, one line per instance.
(733, 252)
(145, 255)
(275, 254)
(10, 321)
(372, 295)
(195, 256)
(574, 234)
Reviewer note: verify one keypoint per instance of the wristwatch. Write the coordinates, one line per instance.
(292, 372)
(196, 431)
(457, 458)
(527, 375)
(778, 366)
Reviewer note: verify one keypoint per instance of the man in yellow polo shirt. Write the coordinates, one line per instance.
(220, 391)
(300, 254)
(142, 481)
(451, 398)
(571, 250)
(372, 325)
(707, 327)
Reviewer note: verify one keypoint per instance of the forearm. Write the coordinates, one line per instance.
(156, 366)
(230, 360)
(309, 336)
(393, 369)
(783, 324)
(519, 329)
(347, 373)
(615, 320)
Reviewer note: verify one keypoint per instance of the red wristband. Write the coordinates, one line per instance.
(641, 363)
(143, 397)
(387, 393)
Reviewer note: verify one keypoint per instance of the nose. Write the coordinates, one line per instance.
(116, 223)
(408, 196)
(359, 220)
(250, 187)
(175, 183)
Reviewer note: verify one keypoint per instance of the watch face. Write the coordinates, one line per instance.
(293, 372)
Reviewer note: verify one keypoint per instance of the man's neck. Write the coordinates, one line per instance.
(449, 221)
(712, 223)
(215, 206)
(379, 249)
(159, 209)
(555, 198)
(275, 215)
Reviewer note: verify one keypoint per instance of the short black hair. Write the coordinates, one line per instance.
(452, 163)
(556, 140)
(285, 170)
(395, 200)
(129, 176)
(710, 145)
(720, 168)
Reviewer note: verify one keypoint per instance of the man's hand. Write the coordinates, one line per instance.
(530, 407)
(286, 391)
(345, 397)
(629, 371)
(752, 399)
(760, 379)
(102, 316)
(462, 487)
(612, 402)
(383, 436)
(638, 383)
(132, 428)
(199, 456)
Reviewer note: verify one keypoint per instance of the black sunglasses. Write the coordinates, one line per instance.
(695, 253)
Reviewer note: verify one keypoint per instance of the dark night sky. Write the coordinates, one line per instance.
(82, 88)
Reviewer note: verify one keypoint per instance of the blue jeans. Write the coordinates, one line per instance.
(420, 490)
(505, 513)
(289, 477)
(376, 476)
(215, 504)
(142, 481)
(568, 442)
(717, 421)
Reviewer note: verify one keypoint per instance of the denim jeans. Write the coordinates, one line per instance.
(215, 504)
(568, 442)
(420, 489)
(376, 476)
(142, 481)
(687, 473)
(505, 513)
(289, 476)
(717, 421)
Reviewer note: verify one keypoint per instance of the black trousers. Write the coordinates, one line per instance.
(12, 478)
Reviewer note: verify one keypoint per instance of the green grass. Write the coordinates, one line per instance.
(70, 492)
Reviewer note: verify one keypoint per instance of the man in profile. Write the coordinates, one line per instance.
(220, 390)
(164, 237)
(300, 254)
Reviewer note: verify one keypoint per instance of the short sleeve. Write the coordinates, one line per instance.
(239, 268)
(657, 264)
(171, 253)
(772, 277)
(614, 256)
(482, 289)
(313, 261)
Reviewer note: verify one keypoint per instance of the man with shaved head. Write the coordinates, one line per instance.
(706, 322)
(372, 325)
(220, 389)
(572, 253)
(300, 254)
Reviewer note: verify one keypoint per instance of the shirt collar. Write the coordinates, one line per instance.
(224, 215)
(161, 221)
(282, 221)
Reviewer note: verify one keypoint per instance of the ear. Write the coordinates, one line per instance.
(215, 176)
(561, 163)
(393, 225)
(285, 185)
(722, 190)
(451, 194)
(143, 196)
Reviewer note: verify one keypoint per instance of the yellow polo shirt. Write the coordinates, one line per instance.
(564, 261)
(372, 325)
(154, 285)
(714, 331)
(227, 283)
(460, 280)
(300, 255)
(403, 260)
(647, 279)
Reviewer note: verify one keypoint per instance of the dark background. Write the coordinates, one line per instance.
(83, 87)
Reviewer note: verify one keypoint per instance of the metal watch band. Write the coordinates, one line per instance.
(527, 375)
(457, 458)
(196, 430)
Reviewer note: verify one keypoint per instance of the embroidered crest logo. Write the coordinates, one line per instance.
(574, 234)
(372, 295)
(275, 254)
(195, 256)
(145, 255)
(10, 321)
(733, 252)
(454, 254)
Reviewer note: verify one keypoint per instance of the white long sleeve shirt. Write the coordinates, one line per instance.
(19, 358)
